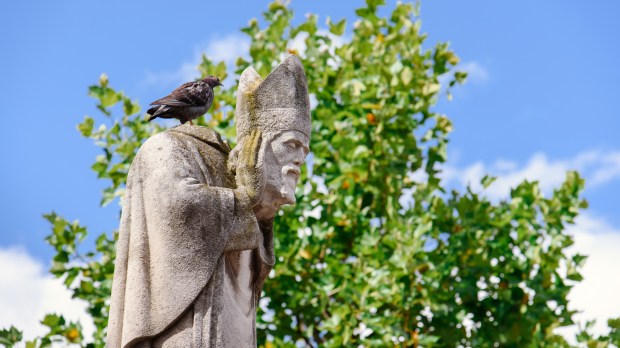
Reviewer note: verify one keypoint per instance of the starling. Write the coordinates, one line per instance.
(189, 101)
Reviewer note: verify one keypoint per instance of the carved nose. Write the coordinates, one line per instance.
(298, 162)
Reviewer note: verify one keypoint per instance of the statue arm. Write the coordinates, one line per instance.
(177, 182)
(237, 219)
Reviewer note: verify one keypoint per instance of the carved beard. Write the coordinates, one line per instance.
(289, 177)
(280, 179)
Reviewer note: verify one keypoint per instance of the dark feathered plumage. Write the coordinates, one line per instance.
(190, 101)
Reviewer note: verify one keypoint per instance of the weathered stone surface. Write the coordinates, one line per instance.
(195, 241)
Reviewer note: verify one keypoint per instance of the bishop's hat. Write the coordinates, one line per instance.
(278, 103)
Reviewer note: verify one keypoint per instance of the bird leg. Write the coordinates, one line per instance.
(190, 122)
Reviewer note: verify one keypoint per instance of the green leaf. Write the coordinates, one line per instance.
(109, 98)
(579, 260)
(9, 337)
(373, 4)
(96, 92)
(86, 127)
(130, 108)
(100, 168)
(487, 181)
(53, 320)
(361, 151)
(87, 287)
(406, 75)
(276, 5)
(337, 28)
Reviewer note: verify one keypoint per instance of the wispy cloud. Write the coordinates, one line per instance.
(28, 292)
(597, 167)
(225, 48)
(609, 170)
(476, 72)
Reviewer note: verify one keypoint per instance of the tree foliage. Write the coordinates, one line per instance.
(377, 251)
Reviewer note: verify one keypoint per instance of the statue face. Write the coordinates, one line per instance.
(284, 156)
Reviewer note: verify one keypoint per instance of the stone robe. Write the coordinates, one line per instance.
(191, 257)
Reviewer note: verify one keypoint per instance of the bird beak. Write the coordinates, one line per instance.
(220, 84)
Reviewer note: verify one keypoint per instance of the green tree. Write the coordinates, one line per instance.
(371, 254)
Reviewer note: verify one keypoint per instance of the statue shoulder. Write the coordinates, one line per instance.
(175, 151)
(201, 134)
(176, 137)
(161, 143)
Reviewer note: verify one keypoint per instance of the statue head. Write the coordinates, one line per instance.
(279, 107)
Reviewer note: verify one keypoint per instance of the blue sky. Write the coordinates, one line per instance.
(540, 98)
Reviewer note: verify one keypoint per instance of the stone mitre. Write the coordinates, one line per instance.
(278, 103)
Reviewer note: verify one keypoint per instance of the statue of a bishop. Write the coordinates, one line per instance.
(195, 241)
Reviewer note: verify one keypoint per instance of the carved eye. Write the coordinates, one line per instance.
(291, 145)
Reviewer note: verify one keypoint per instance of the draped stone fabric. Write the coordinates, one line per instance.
(191, 257)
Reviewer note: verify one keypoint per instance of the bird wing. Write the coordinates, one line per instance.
(188, 94)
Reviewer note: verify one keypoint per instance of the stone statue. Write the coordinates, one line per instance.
(195, 241)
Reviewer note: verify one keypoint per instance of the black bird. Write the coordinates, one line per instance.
(189, 101)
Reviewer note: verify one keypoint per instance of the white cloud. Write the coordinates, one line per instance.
(596, 166)
(226, 48)
(28, 292)
(596, 297)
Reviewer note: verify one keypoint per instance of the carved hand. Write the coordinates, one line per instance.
(250, 178)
